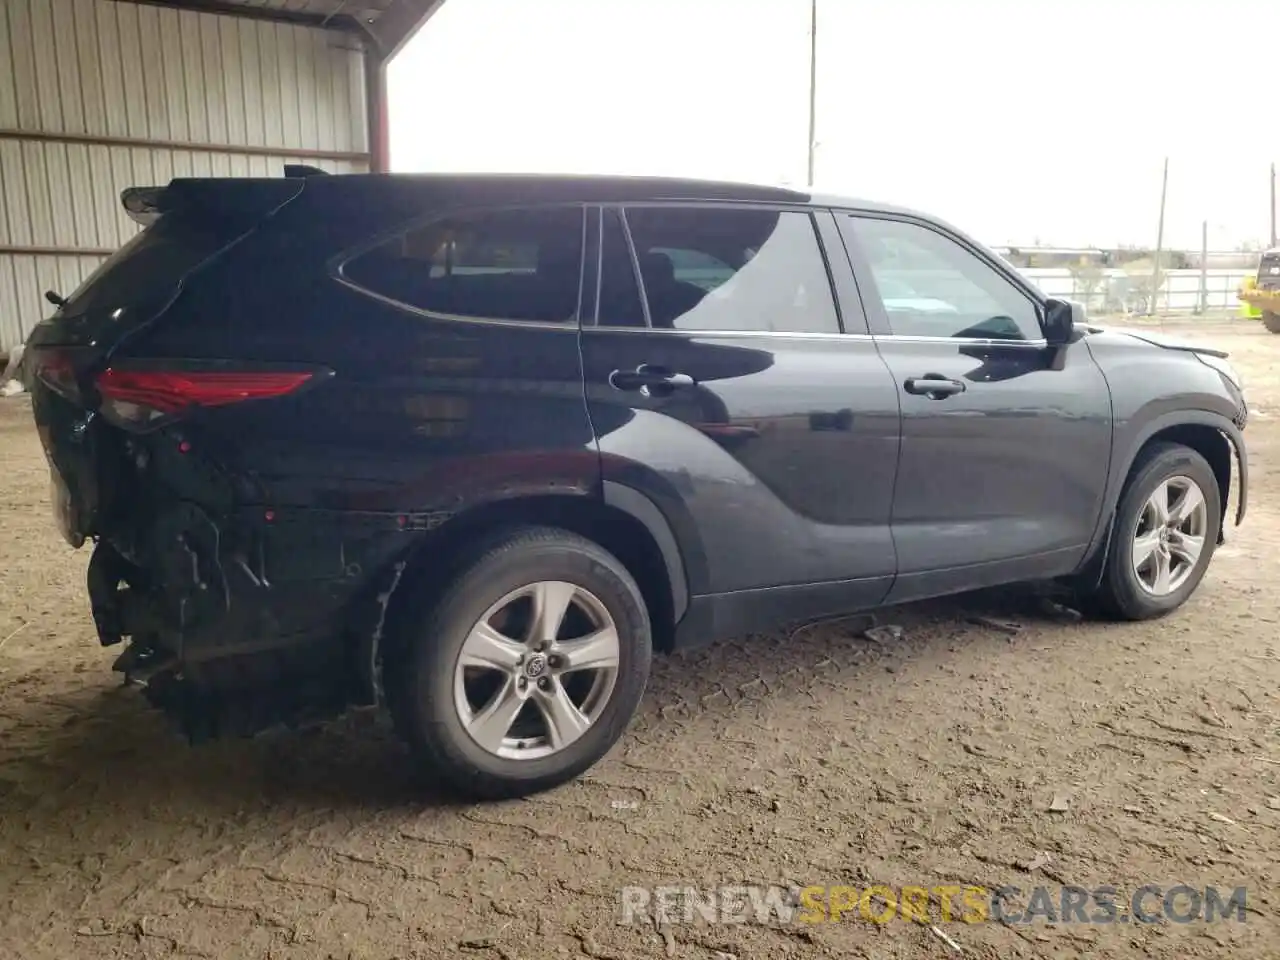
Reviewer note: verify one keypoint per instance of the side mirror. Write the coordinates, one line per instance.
(1061, 317)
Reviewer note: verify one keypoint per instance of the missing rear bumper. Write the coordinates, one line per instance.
(203, 713)
(120, 608)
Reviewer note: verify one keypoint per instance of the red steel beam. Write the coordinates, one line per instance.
(389, 33)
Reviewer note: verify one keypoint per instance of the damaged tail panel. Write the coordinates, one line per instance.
(195, 560)
(256, 439)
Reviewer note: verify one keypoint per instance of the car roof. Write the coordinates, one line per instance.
(523, 187)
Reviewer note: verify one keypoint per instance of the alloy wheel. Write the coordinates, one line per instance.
(1170, 536)
(536, 670)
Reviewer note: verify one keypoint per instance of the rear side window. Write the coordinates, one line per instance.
(704, 268)
(521, 264)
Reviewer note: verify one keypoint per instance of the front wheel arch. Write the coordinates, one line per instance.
(1212, 436)
(1208, 441)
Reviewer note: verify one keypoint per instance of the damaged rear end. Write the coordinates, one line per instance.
(140, 438)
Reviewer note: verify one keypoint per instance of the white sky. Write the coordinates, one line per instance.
(1017, 120)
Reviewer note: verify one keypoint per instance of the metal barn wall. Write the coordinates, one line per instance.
(96, 96)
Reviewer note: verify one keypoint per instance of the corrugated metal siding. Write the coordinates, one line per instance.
(96, 68)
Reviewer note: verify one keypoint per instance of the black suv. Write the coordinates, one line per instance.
(475, 447)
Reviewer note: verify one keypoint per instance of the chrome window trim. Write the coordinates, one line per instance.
(581, 324)
(756, 334)
(573, 327)
(567, 325)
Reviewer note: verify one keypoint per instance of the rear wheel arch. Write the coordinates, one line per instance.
(432, 559)
(515, 715)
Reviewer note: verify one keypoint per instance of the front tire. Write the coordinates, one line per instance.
(1166, 530)
(527, 669)
(1271, 320)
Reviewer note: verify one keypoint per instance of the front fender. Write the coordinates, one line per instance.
(1205, 418)
(1242, 471)
(1138, 438)
(1091, 569)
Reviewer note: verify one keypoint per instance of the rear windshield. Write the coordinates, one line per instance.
(150, 265)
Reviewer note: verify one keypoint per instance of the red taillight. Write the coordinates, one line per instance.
(140, 396)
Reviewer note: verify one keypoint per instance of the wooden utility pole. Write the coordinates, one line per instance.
(813, 86)
(1155, 269)
(1274, 240)
(1203, 305)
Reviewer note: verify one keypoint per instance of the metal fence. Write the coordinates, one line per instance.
(1114, 291)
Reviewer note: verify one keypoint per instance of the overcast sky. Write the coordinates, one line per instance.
(1019, 120)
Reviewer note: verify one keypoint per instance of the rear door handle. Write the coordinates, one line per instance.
(934, 386)
(649, 380)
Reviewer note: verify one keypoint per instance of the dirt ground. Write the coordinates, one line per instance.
(816, 757)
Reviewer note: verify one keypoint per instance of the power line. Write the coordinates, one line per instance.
(813, 86)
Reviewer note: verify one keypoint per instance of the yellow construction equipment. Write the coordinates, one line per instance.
(1260, 295)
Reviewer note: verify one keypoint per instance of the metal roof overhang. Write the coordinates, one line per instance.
(385, 26)
(389, 24)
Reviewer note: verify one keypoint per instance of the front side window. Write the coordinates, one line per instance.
(931, 286)
(704, 268)
(502, 265)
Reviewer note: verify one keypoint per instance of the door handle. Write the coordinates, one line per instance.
(934, 386)
(649, 380)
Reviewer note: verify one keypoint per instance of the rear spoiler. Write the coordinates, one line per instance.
(215, 197)
(144, 205)
(295, 170)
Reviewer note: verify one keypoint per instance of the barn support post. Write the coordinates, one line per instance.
(388, 35)
(375, 82)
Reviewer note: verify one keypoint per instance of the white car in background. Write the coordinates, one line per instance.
(898, 296)
(11, 382)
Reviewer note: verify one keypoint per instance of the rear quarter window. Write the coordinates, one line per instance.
(515, 264)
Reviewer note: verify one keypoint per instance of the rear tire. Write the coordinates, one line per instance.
(501, 695)
(1159, 554)
(1271, 320)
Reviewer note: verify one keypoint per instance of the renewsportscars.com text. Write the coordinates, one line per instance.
(946, 903)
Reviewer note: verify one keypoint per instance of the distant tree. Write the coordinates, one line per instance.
(1086, 278)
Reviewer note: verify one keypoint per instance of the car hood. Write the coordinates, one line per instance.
(1158, 340)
